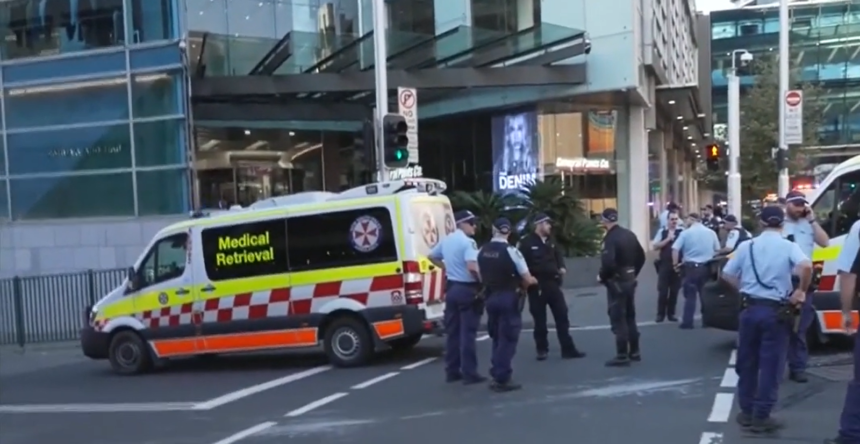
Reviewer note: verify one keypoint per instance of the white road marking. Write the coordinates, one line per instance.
(415, 365)
(722, 408)
(253, 390)
(315, 405)
(607, 326)
(483, 338)
(375, 380)
(730, 378)
(246, 433)
(711, 438)
(733, 359)
(98, 408)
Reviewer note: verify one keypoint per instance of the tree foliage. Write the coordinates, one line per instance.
(759, 131)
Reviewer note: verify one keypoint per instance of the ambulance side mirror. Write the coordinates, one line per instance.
(132, 279)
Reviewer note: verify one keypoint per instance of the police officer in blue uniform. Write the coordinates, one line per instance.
(668, 279)
(503, 272)
(761, 270)
(848, 267)
(736, 234)
(801, 228)
(458, 254)
(691, 252)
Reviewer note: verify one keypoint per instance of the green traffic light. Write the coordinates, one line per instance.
(399, 154)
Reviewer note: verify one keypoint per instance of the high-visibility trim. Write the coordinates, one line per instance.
(300, 337)
(825, 254)
(831, 320)
(389, 329)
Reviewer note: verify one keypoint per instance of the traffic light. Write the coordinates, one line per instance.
(394, 141)
(713, 157)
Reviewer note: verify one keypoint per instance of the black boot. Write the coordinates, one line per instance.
(621, 358)
(766, 426)
(633, 350)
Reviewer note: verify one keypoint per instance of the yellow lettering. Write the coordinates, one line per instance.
(248, 246)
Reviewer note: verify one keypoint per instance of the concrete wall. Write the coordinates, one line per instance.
(57, 247)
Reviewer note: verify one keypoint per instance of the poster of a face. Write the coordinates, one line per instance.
(516, 157)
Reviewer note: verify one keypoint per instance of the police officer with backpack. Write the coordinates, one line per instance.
(761, 270)
(668, 278)
(504, 273)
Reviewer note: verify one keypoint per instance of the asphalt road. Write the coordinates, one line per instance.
(57, 396)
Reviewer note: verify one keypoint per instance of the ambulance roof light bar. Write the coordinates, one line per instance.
(214, 212)
(420, 185)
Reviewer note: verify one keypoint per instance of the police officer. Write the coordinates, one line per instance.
(621, 261)
(709, 219)
(848, 267)
(547, 265)
(668, 279)
(801, 228)
(735, 236)
(503, 272)
(671, 207)
(458, 254)
(691, 252)
(761, 270)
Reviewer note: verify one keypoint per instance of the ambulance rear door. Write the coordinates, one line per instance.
(431, 219)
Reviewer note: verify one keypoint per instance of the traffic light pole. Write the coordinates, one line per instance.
(734, 148)
(783, 90)
(380, 63)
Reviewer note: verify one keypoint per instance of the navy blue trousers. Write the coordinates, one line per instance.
(461, 328)
(849, 422)
(762, 346)
(798, 351)
(692, 283)
(505, 320)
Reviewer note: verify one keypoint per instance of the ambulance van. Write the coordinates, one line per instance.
(345, 271)
(836, 203)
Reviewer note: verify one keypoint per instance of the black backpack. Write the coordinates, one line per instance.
(743, 236)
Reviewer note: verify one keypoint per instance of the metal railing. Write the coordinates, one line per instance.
(50, 308)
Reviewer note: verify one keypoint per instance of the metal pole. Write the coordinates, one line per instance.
(734, 148)
(783, 90)
(380, 63)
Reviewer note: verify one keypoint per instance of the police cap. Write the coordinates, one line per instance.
(796, 198)
(464, 216)
(542, 217)
(772, 216)
(731, 218)
(609, 215)
(502, 225)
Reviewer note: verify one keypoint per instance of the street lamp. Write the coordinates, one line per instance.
(742, 57)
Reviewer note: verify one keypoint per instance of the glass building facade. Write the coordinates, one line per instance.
(825, 46)
(93, 113)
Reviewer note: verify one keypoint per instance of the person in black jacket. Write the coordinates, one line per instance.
(668, 279)
(621, 261)
(546, 264)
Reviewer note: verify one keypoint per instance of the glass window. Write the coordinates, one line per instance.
(165, 261)
(251, 18)
(207, 15)
(72, 196)
(246, 250)
(49, 27)
(723, 30)
(67, 103)
(65, 68)
(4, 199)
(161, 142)
(156, 95)
(78, 149)
(151, 20)
(321, 241)
(162, 192)
(2, 154)
(847, 209)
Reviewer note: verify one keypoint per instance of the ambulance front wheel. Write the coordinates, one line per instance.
(128, 354)
(348, 342)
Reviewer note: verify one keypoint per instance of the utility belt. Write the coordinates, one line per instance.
(624, 274)
(784, 311)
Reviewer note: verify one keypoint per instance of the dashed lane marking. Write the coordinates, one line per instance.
(315, 405)
(722, 408)
(253, 390)
(733, 359)
(375, 380)
(711, 438)
(246, 433)
(483, 338)
(415, 365)
(730, 378)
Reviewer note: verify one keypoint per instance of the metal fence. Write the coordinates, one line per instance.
(50, 308)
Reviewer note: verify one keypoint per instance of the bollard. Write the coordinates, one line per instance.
(18, 301)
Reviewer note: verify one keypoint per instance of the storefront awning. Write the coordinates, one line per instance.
(681, 105)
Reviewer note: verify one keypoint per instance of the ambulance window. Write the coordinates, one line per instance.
(341, 239)
(823, 208)
(245, 250)
(166, 260)
(847, 209)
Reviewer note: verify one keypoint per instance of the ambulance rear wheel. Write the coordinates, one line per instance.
(348, 342)
(128, 354)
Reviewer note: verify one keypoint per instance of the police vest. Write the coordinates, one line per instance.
(743, 235)
(666, 251)
(498, 271)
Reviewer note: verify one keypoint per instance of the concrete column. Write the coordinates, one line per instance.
(525, 14)
(664, 169)
(633, 186)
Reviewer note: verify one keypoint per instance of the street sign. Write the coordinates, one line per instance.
(793, 124)
(407, 106)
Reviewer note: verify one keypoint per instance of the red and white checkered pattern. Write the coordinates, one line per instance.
(434, 287)
(380, 291)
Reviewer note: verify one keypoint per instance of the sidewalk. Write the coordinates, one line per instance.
(16, 361)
